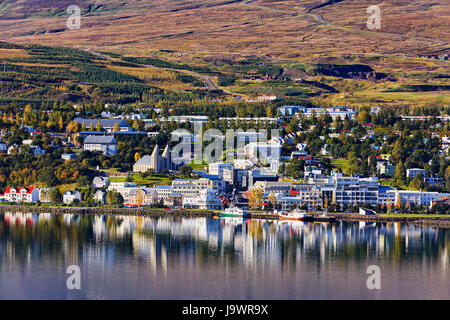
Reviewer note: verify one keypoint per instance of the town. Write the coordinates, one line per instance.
(334, 159)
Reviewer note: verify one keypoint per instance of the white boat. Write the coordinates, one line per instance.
(234, 212)
(298, 215)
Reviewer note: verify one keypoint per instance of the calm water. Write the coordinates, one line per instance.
(199, 258)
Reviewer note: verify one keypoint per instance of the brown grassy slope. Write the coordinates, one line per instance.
(281, 29)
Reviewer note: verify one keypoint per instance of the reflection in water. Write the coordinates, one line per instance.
(183, 257)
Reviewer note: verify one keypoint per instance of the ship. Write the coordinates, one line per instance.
(299, 215)
(234, 212)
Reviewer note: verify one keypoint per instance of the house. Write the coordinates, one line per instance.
(387, 169)
(173, 201)
(141, 196)
(155, 161)
(105, 144)
(3, 147)
(411, 173)
(101, 182)
(70, 196)
(100, 196)
(68, 156)
(37, 150)
(21, 194)
(44, 195)
(13, 149)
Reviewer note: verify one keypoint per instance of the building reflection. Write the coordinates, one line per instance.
(161, 242)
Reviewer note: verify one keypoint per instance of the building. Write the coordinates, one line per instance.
(21, 194)
(106, 124)
(289, 111)
(218, 168)
(386, 196)
(105, 144)
(334, 112)
(100, 196)
(411, 173)
(191, 119)
(262, 150)
(193, 187)
(70, 196)
(419, 198)
(44, 195)
(387, 169)
(101, 182)
(155, 162)
(260, 174)
(141, 196)
(207, 199)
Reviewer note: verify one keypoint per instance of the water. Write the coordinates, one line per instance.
(123, 257)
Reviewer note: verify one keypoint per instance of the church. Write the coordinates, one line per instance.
(155, 161)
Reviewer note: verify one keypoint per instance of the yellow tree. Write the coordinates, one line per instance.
(255, 198)
(137, 156)
(272, 199)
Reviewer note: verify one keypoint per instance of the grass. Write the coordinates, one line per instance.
(341, 164)
(154, 179)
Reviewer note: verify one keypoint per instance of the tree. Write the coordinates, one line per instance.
(99, 126)
(272, 199)
(114, 198)
(136, 125)
(137, 156)
(185, 171)
(353, 163)
(255, 198)
(116, 127)
(363, 116)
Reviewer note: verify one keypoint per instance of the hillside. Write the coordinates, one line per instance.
(284, 29)
(311, 48)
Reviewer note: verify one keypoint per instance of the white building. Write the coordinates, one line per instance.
(70, 196)
(262, 150)
(419, 198)
(218, 168)
(105, 144)
(100, 196)
(21, 194)
(207, 199)
(101, 182)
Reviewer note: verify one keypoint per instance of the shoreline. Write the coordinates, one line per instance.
(437, 221)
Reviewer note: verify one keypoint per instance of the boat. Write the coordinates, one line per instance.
(234, 212)
(298, 215)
